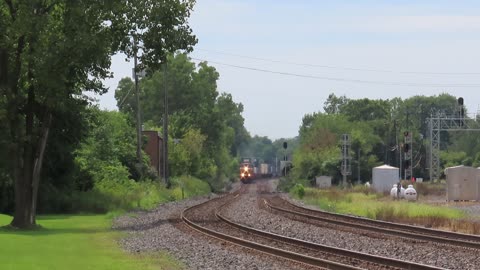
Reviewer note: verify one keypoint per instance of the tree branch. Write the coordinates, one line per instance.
(13, 12)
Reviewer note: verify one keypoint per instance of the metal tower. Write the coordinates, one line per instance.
(346, 168)
(443, 122)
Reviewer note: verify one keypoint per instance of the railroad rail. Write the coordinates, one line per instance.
(396, 229)
(310, 253)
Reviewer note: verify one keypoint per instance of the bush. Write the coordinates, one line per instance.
(299, 191)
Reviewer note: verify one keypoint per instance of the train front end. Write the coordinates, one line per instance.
(246, 173)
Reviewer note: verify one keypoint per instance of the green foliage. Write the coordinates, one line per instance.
(208, 126)
(187, 186)
(451, 159)
(52, 52)
(73, 242)
(299, 191)
(319, 151)
(286, 184)
(376, 130)
(111, 142)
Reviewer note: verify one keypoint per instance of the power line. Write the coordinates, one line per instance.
(342, 79)
(343, 68)
(125, 97)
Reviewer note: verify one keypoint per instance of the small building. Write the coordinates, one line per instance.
(383, 178)
(463, 183)
(154, 149)
(323, 181)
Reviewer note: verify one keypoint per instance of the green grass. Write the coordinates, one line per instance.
(375, 205)
(363, 202)
(72, 242)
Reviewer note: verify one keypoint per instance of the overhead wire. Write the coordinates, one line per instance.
(339, 79)
(340, 67)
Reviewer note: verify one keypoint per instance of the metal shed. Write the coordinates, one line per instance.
(383, 178)
(463, 183)
(323, 181)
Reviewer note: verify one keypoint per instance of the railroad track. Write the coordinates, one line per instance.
(322, 256)
(402, 230)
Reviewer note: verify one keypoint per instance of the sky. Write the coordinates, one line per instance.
(361, 49)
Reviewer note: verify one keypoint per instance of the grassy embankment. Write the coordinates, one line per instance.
(363, 202)
(83, 241)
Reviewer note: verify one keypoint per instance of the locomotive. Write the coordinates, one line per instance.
(247, 173)
(250, 170)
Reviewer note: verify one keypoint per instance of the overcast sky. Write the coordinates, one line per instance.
(373, 49)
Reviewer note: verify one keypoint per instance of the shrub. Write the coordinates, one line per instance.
(299, 190)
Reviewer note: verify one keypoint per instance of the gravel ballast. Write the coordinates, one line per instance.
(160, 229)
(247, 212)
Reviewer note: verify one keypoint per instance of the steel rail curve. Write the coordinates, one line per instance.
(263, 248)
(329, 249)
(292, 241)
(396, 229)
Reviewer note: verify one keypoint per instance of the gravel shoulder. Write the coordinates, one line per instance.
(161, 229)
(247, 212)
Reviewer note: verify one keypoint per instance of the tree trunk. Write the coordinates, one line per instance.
(28, 166)
(37, 168)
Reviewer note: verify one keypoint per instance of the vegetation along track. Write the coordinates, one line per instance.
(207, 218)
(402, 230)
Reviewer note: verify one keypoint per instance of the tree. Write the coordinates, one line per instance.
(53, 51)
(194, 106)
(334, 104)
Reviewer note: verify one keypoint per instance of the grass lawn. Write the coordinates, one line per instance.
(72, 242)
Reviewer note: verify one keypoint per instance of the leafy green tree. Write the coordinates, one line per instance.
(194, 105)
(53, 51)
(319, 149)
(334, 104)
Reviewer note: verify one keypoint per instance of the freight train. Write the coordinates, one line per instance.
(250, 170)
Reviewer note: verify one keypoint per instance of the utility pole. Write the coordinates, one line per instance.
(358, 168)
(137, 97)
(165, 126)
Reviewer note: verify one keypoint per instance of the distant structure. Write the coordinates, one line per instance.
(346, 168)
(440, 121)
(463, 183)
(323, 181)
(153, 148)
(384, 177)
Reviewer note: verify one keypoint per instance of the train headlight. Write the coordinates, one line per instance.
(242, 175)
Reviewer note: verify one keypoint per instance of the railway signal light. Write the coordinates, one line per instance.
(284, 145)
(406, 146)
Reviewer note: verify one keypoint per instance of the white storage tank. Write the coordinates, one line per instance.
(383, 178)
(410, 193)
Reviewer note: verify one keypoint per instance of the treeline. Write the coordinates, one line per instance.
(376, 129)
(51, 54)
(90, 164)
(206, 128)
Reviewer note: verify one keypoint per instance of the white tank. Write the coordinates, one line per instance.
(393, 192)
(410, 193)
(402, 193)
